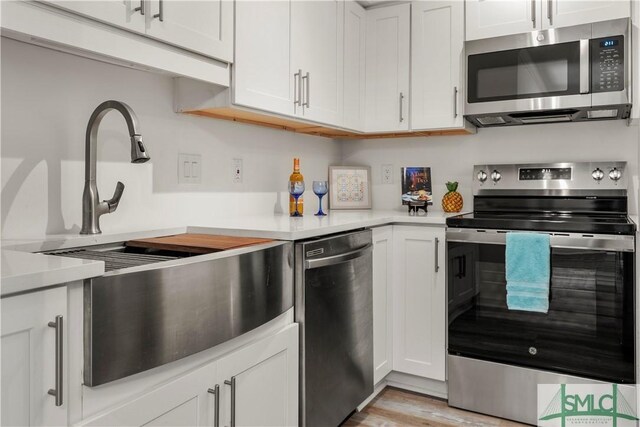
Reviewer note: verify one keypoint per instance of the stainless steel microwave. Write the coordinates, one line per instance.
(557, 75)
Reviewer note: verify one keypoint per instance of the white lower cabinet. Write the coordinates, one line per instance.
(181, 402)
(382, 302)
(419, 301)
(29, 358)
(259, 383)
(256, 385)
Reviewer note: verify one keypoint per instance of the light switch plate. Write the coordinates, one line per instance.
(189, 168)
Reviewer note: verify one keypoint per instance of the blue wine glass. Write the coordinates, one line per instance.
(320, 188)
(296, 188)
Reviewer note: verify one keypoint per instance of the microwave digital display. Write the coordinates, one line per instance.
(538, 174)
(609, 43)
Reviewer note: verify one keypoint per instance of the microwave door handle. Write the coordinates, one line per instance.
(584, 66)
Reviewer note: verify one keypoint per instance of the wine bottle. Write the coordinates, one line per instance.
(296, 176)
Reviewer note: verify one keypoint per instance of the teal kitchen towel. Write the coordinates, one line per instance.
(528, 271)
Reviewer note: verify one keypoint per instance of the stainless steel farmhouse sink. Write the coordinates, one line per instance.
(152, 307)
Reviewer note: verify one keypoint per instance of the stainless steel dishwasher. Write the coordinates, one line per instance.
(333, 294)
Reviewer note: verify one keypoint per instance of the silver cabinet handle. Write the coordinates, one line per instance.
(216, 414)
(232, 383)
(297, 93)
(306, 97)
(436, 242)
(550, 11)
(455, 102)
(401, 102)
(533, 12)
(58, 391)
(160, 14)
(140, 8)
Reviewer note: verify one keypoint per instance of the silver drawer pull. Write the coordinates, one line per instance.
(160, 14)
(436, 242)
(58, 391)
(232, 383)
(216, 414)
(140, 8)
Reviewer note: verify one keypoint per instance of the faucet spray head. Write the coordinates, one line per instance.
(138, 150)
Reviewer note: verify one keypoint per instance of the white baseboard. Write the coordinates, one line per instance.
(408, 382)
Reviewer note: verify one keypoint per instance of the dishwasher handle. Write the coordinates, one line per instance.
(337, 259)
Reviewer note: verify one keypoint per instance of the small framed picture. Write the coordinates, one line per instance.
(349, 187)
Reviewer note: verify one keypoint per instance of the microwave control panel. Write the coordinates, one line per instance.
(607, 64)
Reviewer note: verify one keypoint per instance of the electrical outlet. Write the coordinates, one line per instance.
(387, 174)
(189, 168)
(237, 171)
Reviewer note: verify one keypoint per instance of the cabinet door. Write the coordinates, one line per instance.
(263, 78)
(494, 18)
(437, 54)
(316, 49)
(260, 382)
(388, 41)
(119, 13)
(204, 27)
(382, 302)
(355, 33)
(29, 358)
(565, 13)
(419, 301)
(184, 401)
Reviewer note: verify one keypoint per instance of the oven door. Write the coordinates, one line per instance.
(589, 329)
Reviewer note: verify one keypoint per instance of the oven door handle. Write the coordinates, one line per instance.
(603, 242)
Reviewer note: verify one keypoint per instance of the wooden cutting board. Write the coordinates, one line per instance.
(196, 243)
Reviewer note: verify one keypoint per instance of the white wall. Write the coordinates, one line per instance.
(47, 98)
(451, 158)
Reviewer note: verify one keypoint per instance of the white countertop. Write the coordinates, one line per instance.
(23, 270)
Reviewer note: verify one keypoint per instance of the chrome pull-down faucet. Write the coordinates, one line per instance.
(92, 208)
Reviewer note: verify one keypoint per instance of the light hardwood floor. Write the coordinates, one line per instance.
(394, 407)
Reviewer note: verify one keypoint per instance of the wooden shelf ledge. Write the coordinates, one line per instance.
(255, 118)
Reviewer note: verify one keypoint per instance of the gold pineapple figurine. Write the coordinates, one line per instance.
(452, 201)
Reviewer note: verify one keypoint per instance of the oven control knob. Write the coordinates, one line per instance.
(495, 176)
(597, 174)
(615, 174)
(482, 176)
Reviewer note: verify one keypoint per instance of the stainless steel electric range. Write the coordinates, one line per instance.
(497, 356)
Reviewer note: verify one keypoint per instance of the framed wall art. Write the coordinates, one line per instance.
(349, 187)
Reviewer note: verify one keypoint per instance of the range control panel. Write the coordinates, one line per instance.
(607, 64)
(536, 174)
(601, 175)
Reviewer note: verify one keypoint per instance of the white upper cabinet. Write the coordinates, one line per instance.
(565, 13)
(419, 301)
(355, 33)
(204, 27)
(387, 77)
(33, 329)
(494, 18)
(263, 76)
(437, 46)
(317, 49)
(128, 14)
